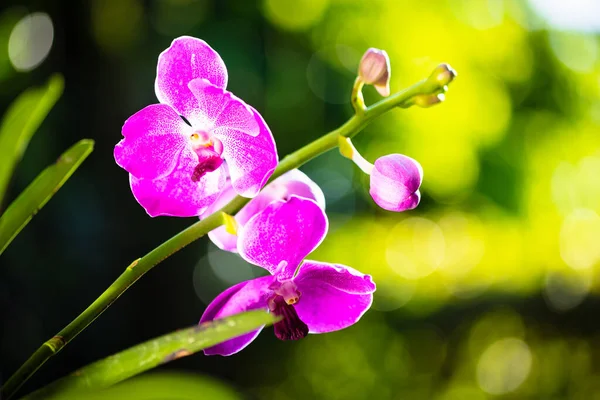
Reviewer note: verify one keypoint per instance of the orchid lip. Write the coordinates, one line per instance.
(208, 149)
(290, 327)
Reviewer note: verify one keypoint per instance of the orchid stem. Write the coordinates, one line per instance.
(357, 99)
(139, 267)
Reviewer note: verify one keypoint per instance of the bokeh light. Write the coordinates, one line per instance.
(564, 291)
(30, 41)
(415, 247)
(579, 237)
(504, 366)
(579, 15)
(299, 15)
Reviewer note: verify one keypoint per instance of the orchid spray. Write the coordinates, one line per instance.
(203, 152)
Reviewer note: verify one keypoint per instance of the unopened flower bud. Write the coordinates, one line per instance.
(374, 69)
(395, 182)
(443, 74)
(428, 100)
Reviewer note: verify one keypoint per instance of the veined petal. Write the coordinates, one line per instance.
(282, 235)
(216, 107)
(177, 194)
(245, 296)
(333, 296)
(293, 182)
(341, 277)
(296, 182)
(187, 59)
(154, 137)
(251, 160)
(248, 145)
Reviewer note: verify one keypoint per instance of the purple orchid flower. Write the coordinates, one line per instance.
(395, 182)
(293, 182)
(176, 164)
(315, 297)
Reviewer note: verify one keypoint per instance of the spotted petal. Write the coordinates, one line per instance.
(154, 138)
(248, 145)
(245, 296)
(177, 194)
(333, 296)
(187, 59)
(293, 182)
(282, 235)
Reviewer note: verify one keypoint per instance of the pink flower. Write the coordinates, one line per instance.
(310, 296)
(395, 182)
(293, 182)
(176, 166)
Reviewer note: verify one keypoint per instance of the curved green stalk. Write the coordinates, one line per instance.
(144, 356)
(139, 267)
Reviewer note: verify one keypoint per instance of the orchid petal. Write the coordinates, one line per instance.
(333, 296)
(216, 107)
(395, 182)
(245, 296)
(341, 277)
(177, 194)
(187, 59)
(153, 139)
(293, 182)
(296, 182)
(248, 145)
(279, 237)
(251, 160)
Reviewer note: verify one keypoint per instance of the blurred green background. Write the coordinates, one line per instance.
(488, 290)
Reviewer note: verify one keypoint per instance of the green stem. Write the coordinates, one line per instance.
(139, 267)
(356, 99)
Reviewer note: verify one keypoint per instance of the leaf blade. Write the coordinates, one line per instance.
(21, 121)
(38, 193)
(155, 352)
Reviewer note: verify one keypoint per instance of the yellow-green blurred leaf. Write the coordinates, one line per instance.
(180, 386)
(37, 194)
(21, 121)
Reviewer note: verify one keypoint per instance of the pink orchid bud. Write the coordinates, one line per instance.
(374, 69)
(395, 182)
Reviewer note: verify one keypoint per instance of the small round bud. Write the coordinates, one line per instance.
(374, 69)
(443, 74)
(395, 182)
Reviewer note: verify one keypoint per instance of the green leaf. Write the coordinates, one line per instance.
(33, 198)
(20, 122)
(161, 385)
(153, 353)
